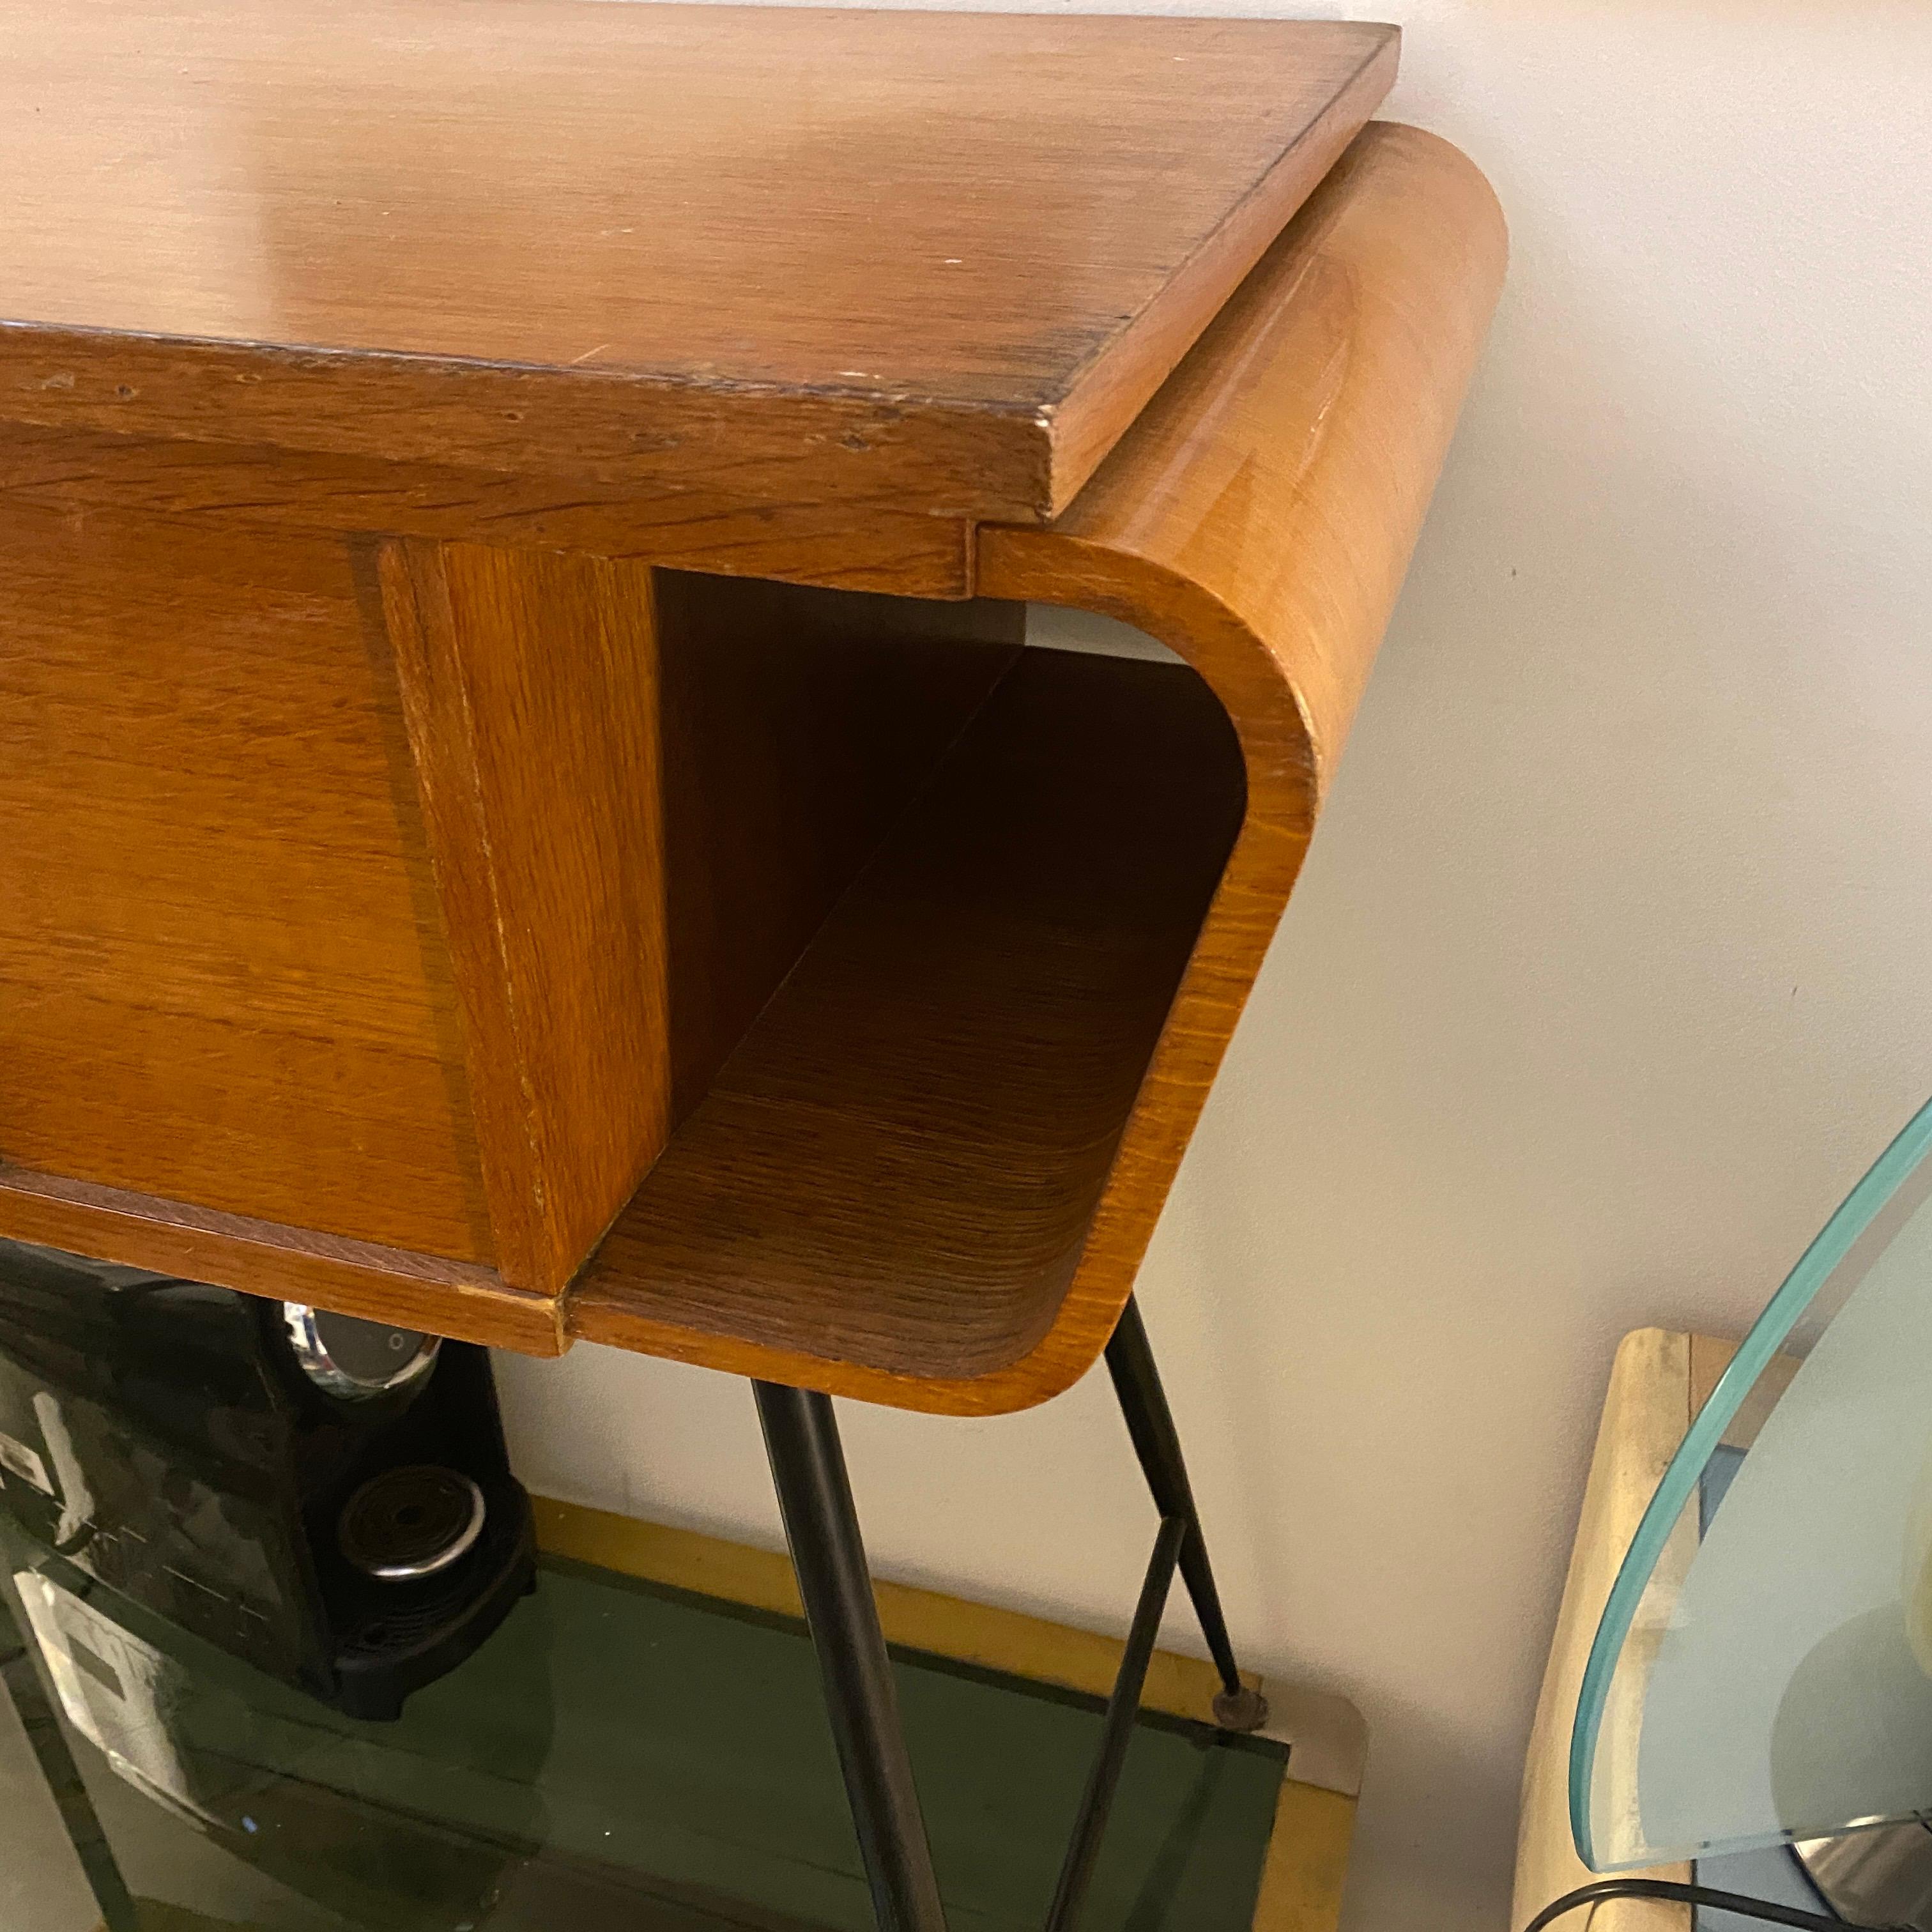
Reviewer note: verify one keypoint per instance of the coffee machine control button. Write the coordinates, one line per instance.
(354, 1359)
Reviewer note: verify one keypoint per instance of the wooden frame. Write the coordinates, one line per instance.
(1659, 1382)
(799, 981)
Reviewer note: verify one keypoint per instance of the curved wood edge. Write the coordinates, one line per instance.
(1100, 404)
(1258, 517)
(1259, 520)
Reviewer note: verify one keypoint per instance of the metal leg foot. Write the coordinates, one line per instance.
(1150, 1422)
(822, 1527)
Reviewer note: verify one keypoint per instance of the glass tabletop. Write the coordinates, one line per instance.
(1763, 1672)
(619, 1755)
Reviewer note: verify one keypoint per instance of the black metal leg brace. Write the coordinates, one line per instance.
(1117, 1733)
(1157, 1443)
(822, 1527)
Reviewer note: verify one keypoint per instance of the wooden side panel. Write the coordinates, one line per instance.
(529, 685)
(1645, 1413)
(219, 981)
(325, 868)
(796, 723)
(843, 1212)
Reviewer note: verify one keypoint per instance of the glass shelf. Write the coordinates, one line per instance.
(620, 1757)
(1763, 1672)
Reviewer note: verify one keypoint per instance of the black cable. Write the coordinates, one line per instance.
(1696, 1894)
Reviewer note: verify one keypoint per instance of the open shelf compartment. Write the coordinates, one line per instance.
(898, 1165)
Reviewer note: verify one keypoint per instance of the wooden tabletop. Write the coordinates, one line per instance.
(950, 254)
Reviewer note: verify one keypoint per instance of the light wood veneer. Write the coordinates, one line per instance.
(1659, 1382)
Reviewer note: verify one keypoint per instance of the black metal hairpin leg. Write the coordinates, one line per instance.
(1150, 1422)
(822, 1527)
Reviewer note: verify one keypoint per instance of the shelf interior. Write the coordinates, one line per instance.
(897, 1165)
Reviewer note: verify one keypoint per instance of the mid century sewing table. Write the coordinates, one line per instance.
(524, 810)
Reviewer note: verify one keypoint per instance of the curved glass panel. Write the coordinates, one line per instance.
(1763, 1669)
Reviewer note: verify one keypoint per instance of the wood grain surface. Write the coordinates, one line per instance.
(220, 978)
(318, 851)
(784, 256)
(895, 1170)
(489, 853)
(855, 544)
(1258, 518)
(797, 725)
(529, 688)
(391, 1285)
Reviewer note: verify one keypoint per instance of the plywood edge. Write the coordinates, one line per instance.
(1307, 1856)
(1646, 1410)
(459, 1300)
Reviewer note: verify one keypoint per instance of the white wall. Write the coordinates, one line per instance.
(1608, 971)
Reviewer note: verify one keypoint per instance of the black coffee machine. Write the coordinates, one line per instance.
(326, 1499)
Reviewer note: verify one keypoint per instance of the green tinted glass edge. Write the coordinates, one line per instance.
(1768, 1335)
